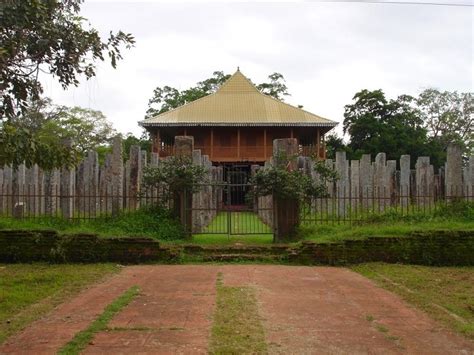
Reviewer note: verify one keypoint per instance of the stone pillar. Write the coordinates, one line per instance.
(423, 181)
(116, 175)
(7, 188)
(454, 172)
(355, 185)
(286, 212)
(67, 188)
(135, 162)
(91, 184)
(184, 146)
(391, 182)
(183, 200)
(197, 198)
(51, 191)
(469, 180)
(380, 193)
(366, 180)
(404, 181)
(342, 184)
(18, 187)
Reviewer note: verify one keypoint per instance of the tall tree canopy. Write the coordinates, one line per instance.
(38, 136)
(448, 117)
(377, 124)
(424, 125)
(48, 36)
(167, 98)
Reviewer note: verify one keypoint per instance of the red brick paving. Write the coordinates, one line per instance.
(304, 310)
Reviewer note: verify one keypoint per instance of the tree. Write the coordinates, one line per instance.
(129, 140)
(48, 36)
(376, 124)
(166, 98)
(42, 130)
(336, 144)
(448, 117)
(19, 145)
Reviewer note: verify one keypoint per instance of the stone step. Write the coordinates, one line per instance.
(242, 257)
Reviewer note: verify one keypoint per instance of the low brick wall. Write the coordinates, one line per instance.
(27, 246)
(430, 248)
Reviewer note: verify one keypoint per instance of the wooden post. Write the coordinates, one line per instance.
(156, 142)
(211, 153)
(238, 143)
(291, 133)
(318, 144)
(264, 144)
(324, 148)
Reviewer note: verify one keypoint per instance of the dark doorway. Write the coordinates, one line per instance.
(237, 176)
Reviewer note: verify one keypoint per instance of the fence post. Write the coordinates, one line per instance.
(286, 212)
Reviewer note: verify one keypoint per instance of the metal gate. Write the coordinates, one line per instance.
(228, 208)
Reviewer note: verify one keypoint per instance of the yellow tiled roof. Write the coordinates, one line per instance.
(237, 103)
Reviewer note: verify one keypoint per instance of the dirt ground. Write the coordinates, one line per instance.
(304, 310)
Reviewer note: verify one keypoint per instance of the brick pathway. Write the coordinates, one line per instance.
(304, 310)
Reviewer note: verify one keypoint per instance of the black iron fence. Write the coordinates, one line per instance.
(224, 208)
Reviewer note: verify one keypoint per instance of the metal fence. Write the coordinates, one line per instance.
(378, 204)
(224, 208)
(30, 204)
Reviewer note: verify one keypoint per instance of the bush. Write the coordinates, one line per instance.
(149, 221)
(152, 221)
(456, 209)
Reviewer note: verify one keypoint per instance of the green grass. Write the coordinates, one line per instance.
(445, 293)
(150, 222)
(236, 327)
(28, 291)
(338, 232)
(240, 224)
(81, 339)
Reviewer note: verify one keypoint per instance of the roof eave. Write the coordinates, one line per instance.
(237, 124)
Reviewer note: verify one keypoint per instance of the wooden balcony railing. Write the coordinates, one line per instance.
(242, 153)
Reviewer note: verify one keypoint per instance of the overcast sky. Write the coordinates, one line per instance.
(326, 51)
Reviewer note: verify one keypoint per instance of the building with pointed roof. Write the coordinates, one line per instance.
(237, 125)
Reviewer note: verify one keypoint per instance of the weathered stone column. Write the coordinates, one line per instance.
(342, 184)
(183, 200)
(18, 191)
(91, 183)
(67, 187)
(116, 172)
(380, 192)
(134, 175)
(355, 185)
(366, 180)
(454, 172)
(51, 191)
(286, 212)
(404, 181)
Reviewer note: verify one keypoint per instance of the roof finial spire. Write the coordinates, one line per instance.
(238, 68)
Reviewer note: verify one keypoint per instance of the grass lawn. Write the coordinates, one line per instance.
(338, 232)
(240, 224)
(28, 291)
(445, 293)
(236, 327)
